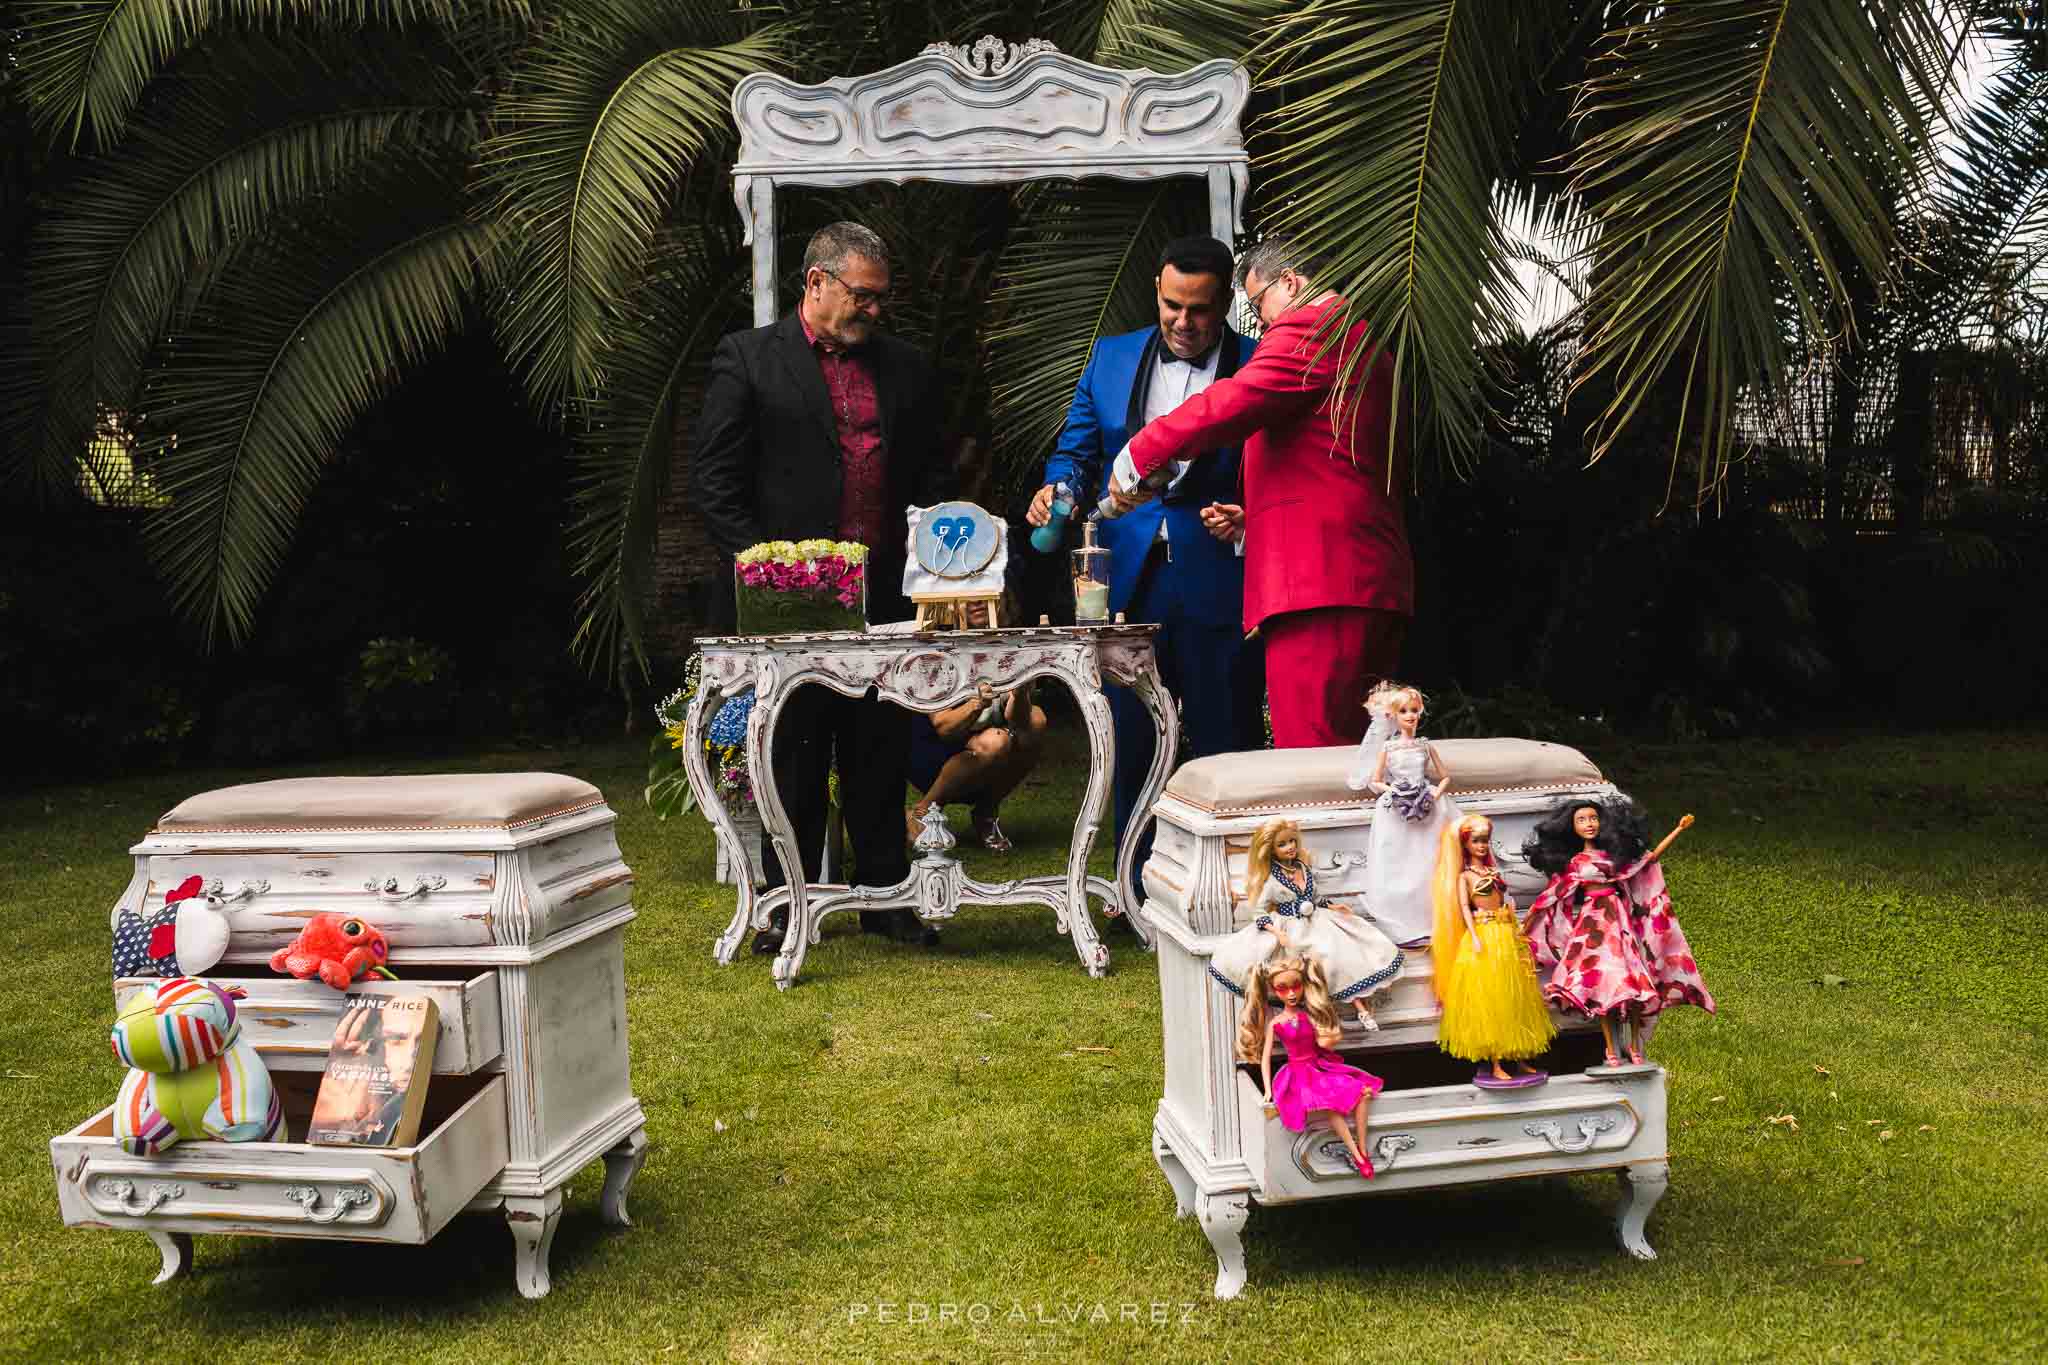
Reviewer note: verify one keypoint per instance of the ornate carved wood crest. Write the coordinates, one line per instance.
(994, 113)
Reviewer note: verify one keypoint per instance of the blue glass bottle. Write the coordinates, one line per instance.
(1048, 538)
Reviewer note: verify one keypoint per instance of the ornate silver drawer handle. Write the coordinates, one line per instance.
(1389, 1147)
(1590, 1127)
(124, 1191)
(243, 892)
(388, 888)
(1341, 858)
(345, 1199)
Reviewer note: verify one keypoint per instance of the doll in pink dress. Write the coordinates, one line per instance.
(1604, 938)
(1311, 1081)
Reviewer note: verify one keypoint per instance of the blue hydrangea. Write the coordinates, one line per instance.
(729, 726)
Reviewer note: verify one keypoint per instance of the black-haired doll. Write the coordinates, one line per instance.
(1605, 940)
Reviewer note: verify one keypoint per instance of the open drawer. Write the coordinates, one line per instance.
(292, 1022)
(292, 1189)
(1597, 1119)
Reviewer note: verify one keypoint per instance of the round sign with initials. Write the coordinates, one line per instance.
(956, 540)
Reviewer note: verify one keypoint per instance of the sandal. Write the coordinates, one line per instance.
(991, 834)
(1364, 1165)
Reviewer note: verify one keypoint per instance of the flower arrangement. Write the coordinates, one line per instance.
(725, 748)
(783, 586)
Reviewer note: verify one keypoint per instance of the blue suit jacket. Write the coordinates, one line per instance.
(1108, 407)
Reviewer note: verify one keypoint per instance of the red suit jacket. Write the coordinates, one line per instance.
(1322, 528)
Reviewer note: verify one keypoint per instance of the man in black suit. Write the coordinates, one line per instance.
(822, 426)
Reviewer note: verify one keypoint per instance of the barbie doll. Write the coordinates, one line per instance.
(1606, 940)
(1409, 814)
(1311, 1081)
(1357, 959)
(1485, 976)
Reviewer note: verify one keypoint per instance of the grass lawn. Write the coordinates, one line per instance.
(907, 1131)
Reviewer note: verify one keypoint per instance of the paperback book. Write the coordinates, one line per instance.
(377, 1071)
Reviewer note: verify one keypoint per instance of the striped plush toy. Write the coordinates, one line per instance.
(192, 1073)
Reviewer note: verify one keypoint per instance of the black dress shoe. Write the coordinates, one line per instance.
(908, 928)
(769, 940)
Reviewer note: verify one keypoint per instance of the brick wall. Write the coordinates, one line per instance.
(686, 569)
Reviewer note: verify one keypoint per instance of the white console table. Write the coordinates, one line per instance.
(929, 671)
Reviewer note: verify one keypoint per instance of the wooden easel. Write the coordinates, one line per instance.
(957, 611)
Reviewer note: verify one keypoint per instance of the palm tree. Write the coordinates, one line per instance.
(263, 231)
(277, 206)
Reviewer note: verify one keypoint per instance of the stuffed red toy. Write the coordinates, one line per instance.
(335, 948)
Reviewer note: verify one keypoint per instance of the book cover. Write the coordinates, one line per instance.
(377, 1071)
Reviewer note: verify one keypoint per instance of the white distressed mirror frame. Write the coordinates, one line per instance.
(995, 114)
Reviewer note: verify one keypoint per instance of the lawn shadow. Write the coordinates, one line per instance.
(1477, 1233)
(260, 1283)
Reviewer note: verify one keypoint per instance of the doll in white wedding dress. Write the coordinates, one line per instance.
(1289, 918)
(1402, 771)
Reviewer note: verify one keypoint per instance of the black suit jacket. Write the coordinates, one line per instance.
(766, 462)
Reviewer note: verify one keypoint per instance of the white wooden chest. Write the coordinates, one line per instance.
(1430, 1126)
(504, 897)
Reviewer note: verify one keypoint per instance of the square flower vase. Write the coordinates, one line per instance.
(800, 588)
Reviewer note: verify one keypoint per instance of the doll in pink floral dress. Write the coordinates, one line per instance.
(1605, 940)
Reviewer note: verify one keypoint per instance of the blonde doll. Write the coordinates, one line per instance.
(1287, 917)
(1408, 780)
(1485, 973)
(1312, 1080)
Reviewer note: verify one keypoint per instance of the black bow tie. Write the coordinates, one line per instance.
(1197, 362)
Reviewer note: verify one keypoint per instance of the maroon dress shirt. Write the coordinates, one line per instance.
(857, 420)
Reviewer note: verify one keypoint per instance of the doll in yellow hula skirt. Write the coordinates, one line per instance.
(1485, 972)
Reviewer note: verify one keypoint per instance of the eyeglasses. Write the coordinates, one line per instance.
(1253, 302)
(862, 298)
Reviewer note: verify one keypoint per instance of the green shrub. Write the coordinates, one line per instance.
(272, 721)
(403, 689)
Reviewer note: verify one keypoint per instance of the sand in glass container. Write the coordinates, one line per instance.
(1091, 579)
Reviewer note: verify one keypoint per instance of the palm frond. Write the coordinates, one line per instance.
(296, 335)
(1736, 173)
(842, 37)
(607, 115)
(1161, 34)
(86, 62)
(1079, 267)
(1563, 273)
(1387, 147)
(626, 435)
(1996, 198)
(214, 159)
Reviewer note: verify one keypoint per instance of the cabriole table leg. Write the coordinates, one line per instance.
(1645, 1185)
(1223, 1217)
(533, 1236)
(176, 1248)
(1176, 1176)
(621, 1164)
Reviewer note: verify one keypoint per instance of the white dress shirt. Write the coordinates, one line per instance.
(1173, 383)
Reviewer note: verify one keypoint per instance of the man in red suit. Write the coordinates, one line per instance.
(1329, 581)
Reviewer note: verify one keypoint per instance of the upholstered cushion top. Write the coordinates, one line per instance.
(426, 801)
(1267, 779)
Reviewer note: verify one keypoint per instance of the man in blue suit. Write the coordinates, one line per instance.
(1165, 566)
